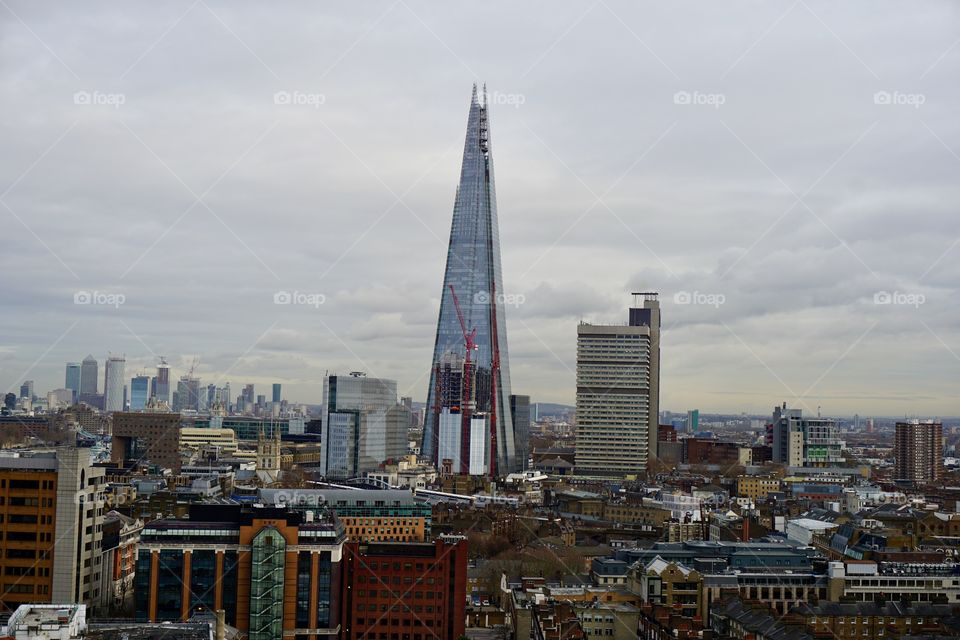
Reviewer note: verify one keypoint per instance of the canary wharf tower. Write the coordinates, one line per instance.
(468, 427)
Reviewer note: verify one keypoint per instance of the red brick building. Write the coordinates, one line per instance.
(404, 590)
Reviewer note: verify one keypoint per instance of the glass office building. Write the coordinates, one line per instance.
(473, 275)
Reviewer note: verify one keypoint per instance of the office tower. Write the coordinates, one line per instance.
(52, 506)
(26, 389)
(211, 397)
(10, 401)
(389, 576)
(139, 392)
(272, 571)
(113, 374)
(72, 379)
(520, 409)
(918, 451)
(187, 395)
(693, 421)
(618, 392)
(162, 392)
(805, 442)
(88, 376)
(227, 398)
(146, 437)
(364, 425)
(471, 322)
(277, 395)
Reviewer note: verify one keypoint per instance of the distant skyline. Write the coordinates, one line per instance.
(270, 189)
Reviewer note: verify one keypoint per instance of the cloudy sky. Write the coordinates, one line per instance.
(785, 174)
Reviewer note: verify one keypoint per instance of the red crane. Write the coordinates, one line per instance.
(494, 375)
(466, 404)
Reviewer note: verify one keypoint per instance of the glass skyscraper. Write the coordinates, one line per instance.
(473, 278)
(139, 392)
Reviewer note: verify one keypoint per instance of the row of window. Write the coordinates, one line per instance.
(386, 593)
(383, 608)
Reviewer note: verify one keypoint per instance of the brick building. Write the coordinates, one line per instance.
(405, 591)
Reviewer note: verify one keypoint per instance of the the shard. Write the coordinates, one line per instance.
(468, 426)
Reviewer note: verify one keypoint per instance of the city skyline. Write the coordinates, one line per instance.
(328, 178)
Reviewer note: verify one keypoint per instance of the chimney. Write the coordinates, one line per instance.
(745, 529)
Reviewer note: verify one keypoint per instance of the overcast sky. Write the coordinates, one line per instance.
(779, 166)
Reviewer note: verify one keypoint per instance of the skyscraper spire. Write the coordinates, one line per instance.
(468, 402)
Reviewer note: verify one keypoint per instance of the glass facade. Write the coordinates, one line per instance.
(303, 589)
(203, 580)
(266, 585)
(324, 593)
(142, 585)
(170, 585)
(229, 599)
(473, 272)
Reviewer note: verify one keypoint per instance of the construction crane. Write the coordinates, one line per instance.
(494, 375)
(466, 406)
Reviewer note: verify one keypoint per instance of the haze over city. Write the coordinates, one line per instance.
(786, 180)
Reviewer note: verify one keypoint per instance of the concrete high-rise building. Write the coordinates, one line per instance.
(72, 379)
(363, 425)
(520, 408)
(473, 282)
(918, 451)
(162, 391)
(146, 437)
(52, 507)
(618, 392)
(113, 375)
(88, 376)
(277, 394)
(139, 392)
(805, 442)
(26, 389)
